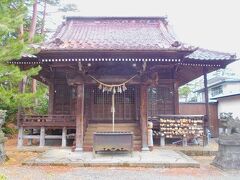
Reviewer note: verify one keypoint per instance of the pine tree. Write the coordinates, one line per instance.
(12, 47)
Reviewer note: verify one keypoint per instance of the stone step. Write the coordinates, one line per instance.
(137, 132)
(110, 124)
(126, 129)
(135, 142)
(90, 138)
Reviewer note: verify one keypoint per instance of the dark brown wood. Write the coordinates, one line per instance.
(51, 94)
(79, 116)
(176, 98)
(206, 96)
(143, 115)
(47, 121)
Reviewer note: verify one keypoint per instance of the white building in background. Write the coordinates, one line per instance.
(219, 86)
(229, 103)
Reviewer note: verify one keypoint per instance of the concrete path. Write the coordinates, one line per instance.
(155, 158)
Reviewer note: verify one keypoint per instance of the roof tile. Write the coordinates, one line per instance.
(110, 33)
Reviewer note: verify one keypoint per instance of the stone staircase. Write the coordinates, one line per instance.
(105, 127)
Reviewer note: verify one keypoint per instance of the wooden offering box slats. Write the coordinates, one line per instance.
(112, 141)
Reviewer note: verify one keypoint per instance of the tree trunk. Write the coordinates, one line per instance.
(30, 39)
(34, 22)
(44, 16)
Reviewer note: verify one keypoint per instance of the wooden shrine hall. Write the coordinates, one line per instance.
(112, 74)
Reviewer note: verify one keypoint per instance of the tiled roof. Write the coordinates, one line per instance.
(205, 54)
(115, 33)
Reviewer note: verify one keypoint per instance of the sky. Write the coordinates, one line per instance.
(211, 24)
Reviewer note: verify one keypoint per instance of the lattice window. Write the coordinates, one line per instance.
(160, 101)
(101, 97)
(125, 104)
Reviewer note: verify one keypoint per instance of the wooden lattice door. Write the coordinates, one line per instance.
(100, 103)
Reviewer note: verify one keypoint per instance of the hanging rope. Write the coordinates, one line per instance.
(114, 88)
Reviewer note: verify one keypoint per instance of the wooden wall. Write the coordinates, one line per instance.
(199, 109)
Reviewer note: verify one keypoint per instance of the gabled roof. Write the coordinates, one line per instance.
(115, 33)
(124, 34)
(205, 54)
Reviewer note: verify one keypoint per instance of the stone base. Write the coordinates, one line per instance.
(78, 150)
(145, 149)
(228, 156)
(158, 158)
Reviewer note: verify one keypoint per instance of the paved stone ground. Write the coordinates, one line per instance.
(155, 158)
(13, 169)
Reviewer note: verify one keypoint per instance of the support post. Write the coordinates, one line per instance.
(64, 137)
(42, 137)
(51, 94)
(206, 120)
(143, 116)
(162, 140)
(176, 97)
(184, 141)
(79, 117)
(20, 137)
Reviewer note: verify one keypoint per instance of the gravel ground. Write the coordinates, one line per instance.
(13, 169)
(65, 173)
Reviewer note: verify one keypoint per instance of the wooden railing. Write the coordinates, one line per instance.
(47, 120)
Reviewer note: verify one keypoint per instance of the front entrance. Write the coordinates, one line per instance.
(98, 105)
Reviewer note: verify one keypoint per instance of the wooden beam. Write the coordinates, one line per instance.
(51, 94)
(175, 90)
(79, 117)
(176, 98)
(143, 116)
(207, 120)
(206, 93)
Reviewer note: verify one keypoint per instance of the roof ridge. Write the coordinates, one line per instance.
(116, 17)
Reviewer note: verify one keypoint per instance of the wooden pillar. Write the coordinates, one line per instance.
(20, 137)
(207, 120)
(143, 116)
(42, 137)
(51, 93)
(51, 98)
(64, 137)
(79, 117)
(176, 97)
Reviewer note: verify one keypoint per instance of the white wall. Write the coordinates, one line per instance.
(229, 104)
(229, 88)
